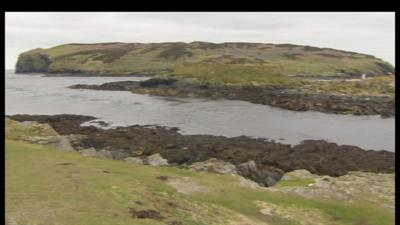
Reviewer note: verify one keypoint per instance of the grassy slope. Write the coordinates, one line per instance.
(227, 62)
(40, 189)
(381, 85)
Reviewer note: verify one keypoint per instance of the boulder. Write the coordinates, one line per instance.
(269, 181)
(62, 142)
(134, 160)
(272, 172)
(105, 154)
(215, 166)
(59, 142)
(156, 160)
(119, 154)
(39, 128)
(89, 152)
(76, 139)
(18, 129)
(266, 176)
(137, 152)
(247, 168)
(248, 183)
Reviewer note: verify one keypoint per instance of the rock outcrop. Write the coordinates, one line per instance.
(152, 160)
(215, 166)
(32, 63)
(375, 188)
(37, 133)
(156, 160)
(90, 152)
(58, 142)
(286, 98)
(268, 176)
(269, 158)
(134, 160)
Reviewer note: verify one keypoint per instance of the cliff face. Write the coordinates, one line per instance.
(200, 59)
(32, 63)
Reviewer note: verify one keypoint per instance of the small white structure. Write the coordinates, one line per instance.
(363, 76)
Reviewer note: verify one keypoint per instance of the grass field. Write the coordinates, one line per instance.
(49, 186)
(45, 185)
(381, 85)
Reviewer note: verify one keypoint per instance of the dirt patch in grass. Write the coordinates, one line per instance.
(163, 178)
(145, 214)
(67, 164)
(296, 215)
(186, 185)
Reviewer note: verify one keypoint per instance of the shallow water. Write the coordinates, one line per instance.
(35, 94)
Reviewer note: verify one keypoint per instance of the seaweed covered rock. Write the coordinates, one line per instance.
(269, 158)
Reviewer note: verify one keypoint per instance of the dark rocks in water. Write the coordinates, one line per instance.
(318, 156)
(157, 82)
(100, 123)
(266, 95)
(111, 86)
(270, 158)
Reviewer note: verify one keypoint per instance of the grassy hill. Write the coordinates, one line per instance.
(228, 62)
(45, 185)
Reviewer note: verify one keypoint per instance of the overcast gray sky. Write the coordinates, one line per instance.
(370, 33)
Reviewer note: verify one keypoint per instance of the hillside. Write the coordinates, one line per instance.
(45, 185)
(228, 62)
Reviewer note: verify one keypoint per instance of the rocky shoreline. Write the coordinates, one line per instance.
(275, 96)
(88, 74)
(260, 160)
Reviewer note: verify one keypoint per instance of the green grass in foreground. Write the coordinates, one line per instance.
(298, 182)
(48, 186)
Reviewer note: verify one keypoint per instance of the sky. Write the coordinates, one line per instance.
(364, 32)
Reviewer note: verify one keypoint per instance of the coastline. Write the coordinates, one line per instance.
(85, 74)
(291, 99)
(270, 158)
